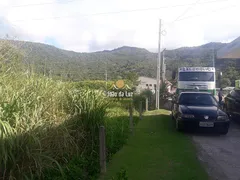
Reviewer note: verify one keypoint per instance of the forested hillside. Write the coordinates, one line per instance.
(69, 65)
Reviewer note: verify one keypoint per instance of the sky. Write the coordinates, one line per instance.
(94, 25)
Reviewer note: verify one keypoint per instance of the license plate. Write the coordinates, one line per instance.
(206, 124)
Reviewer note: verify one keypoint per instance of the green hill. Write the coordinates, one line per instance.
(70, 65)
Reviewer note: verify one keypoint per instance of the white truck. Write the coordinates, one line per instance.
(196, 78)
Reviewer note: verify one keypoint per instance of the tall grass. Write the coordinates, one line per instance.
(86, 166)
(49, 129)
(44, 123)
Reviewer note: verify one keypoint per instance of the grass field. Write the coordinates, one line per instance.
(156, 151)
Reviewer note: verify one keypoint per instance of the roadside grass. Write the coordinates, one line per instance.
(156, 151)
(86, 166)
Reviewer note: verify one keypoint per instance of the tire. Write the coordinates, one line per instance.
(226, 111)
(224, 132)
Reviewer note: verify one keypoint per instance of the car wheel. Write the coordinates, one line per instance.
(226, 111)
(224, 132)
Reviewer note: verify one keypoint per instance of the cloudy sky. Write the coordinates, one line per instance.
(94, 25)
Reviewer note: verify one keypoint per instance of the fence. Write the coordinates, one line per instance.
(102, 137)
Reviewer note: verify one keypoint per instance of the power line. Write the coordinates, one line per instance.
(40, 4)
(186, 10)
(202, 14)
(119, 12)
(213, 11)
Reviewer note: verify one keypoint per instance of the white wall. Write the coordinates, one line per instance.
(148, 83)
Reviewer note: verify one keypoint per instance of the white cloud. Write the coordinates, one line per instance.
(106, 31)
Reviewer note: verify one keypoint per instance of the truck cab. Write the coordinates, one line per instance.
(196, 79)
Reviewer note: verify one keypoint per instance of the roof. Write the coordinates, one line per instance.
(196, 69)
(144, 78)
(230, 51)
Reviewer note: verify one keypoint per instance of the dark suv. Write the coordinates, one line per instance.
(232, 104)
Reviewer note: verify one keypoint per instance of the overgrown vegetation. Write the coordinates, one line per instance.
(49, 128)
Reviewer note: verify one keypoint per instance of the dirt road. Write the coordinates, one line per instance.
(220, 154)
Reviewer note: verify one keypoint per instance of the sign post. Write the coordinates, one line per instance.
(131, 117)
(102, 149)
(140, 110)
(146, 104)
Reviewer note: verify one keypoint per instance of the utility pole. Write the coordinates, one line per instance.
(213, 56)
(163, 67)
(158, 66)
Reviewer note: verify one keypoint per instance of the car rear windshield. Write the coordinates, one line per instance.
(197, 99)
(196, 76)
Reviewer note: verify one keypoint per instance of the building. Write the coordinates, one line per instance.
(150, 83)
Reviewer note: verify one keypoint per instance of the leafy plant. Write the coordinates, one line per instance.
(121, 175)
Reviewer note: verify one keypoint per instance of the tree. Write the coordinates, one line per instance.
(232, 74)
(147, 93)
(225, 82)
(132, 77)
(164, 94)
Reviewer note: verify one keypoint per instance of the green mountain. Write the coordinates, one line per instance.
(55, 62)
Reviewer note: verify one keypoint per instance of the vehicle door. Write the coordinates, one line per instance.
(237, 103)
(230, 102)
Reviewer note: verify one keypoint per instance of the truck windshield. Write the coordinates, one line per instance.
(196, 76)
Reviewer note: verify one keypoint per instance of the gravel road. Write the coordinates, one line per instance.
(220, 153)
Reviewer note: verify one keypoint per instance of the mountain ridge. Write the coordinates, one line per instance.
(51, 60)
